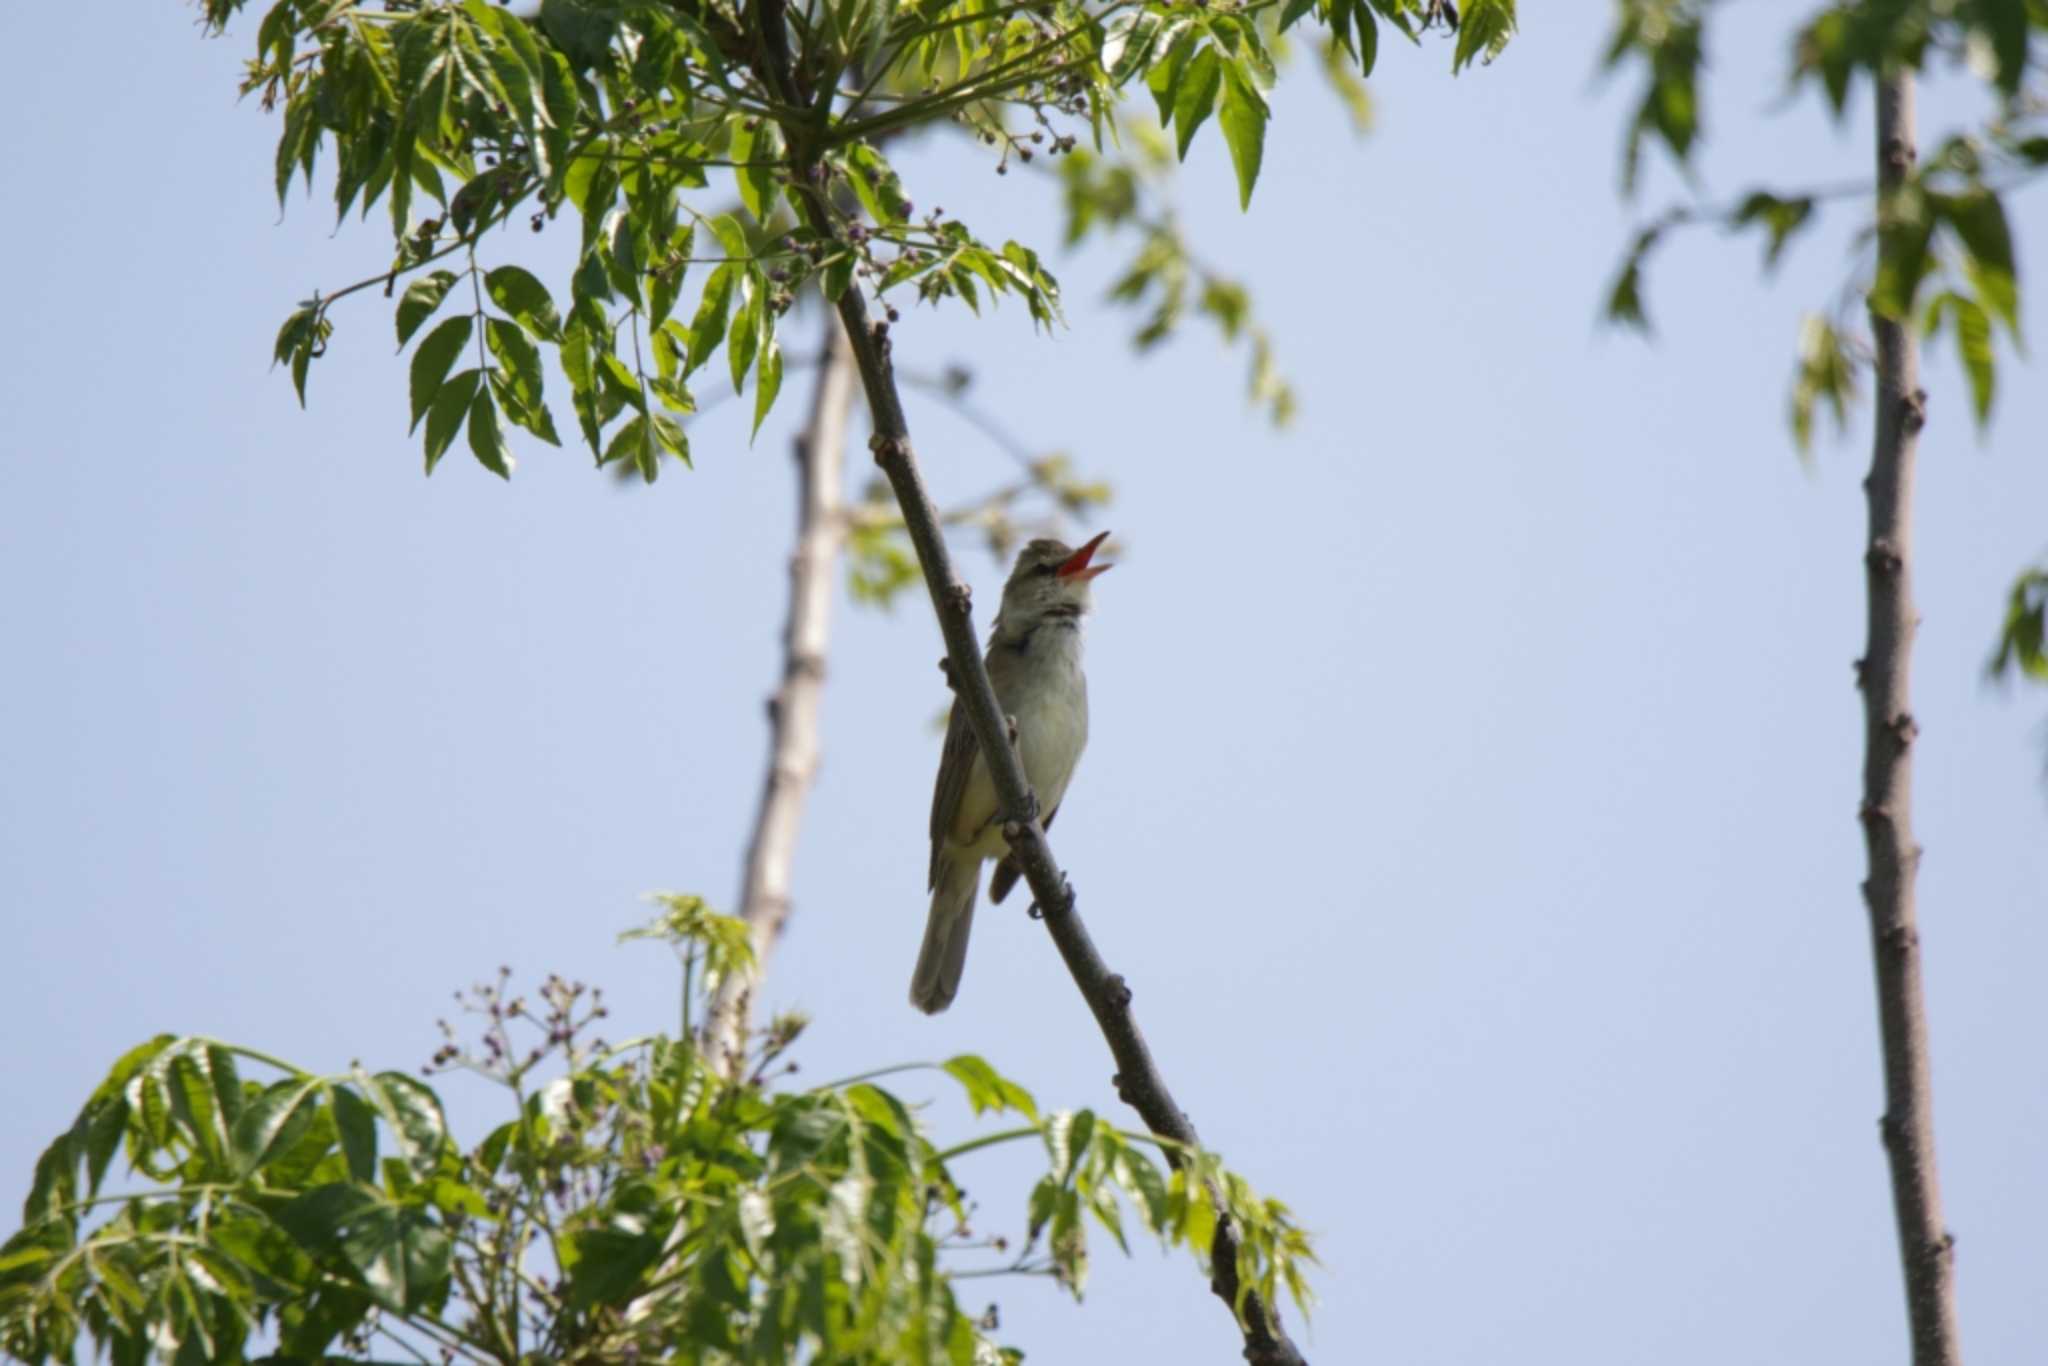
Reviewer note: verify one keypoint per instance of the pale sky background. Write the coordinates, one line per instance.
(1472, 798)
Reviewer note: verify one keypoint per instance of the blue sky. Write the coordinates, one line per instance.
(1471, 799)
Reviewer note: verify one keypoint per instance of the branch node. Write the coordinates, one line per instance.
(1870, 813)
(959, 598)
(1883, 556)
(1862, 668)
(1904, 729)
(888, 448)
(946, 668)
(1118, 990)
(1913, 410)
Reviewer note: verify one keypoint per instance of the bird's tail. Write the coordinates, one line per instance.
(944, 954)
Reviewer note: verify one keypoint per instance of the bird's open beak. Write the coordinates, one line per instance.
(1076, 565)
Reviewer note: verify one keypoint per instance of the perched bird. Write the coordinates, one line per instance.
(1034, 662)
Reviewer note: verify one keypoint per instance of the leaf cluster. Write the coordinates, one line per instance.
(462, 118)
(1944, 254)
(638, 1202)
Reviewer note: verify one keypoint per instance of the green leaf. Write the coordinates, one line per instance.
(356, 1125)
(1780, 217)
(1973, 349)
(767, 370)
(669, 275)
(632, 441)
(486, 437)
(1368, 50)
(877, 186)
(759, 149)
(2022, 640)
(837, 276)
(1196, 97)
(609, 1266)
(1173, 47)
(444, 419)
(1483, 32)
(1824, 374)
(1243, 119)
(526, 299)
(1979, 219)
(582, 29)
(399, 1252)
(745, 336)
(273, 1122)
(669, 436)
(411, 1108)
(708, 329)
(421, 298)
(988, 1089)
(520, 357)
(1903, 257)
(431, 362)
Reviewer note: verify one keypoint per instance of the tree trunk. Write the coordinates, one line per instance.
(1926, 1249)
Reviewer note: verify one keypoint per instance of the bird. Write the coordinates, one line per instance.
(1034, 664)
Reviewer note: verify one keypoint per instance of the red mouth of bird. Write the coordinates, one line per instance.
(1076, 565)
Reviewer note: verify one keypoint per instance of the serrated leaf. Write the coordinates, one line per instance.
(1196, 98)
(1243, 119)
(1979, 219)
(1973, 349)
(745, 336)
(520, 357)
(444, 420)
(431, 363)
(669, 275)
(526, 299)
(1483, 32)
(767, 371)
(757, 152)
(486, 437)
(421, 298)
(708, 328)
(876, 185)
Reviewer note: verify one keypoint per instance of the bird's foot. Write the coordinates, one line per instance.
(1037, 912)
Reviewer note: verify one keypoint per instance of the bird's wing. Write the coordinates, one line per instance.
(956, 762)
(1007, 871)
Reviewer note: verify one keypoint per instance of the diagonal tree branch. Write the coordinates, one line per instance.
(1926, 1248)
(1138, 1080)
(793, 708)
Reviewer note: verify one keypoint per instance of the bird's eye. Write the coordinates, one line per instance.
(1047, 569)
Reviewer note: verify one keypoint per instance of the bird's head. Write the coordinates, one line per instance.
(1051, 579)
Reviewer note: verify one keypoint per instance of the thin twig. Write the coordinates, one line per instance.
(1926, 1248)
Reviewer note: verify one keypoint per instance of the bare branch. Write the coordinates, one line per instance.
(1926, 1249)
(793, 708)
